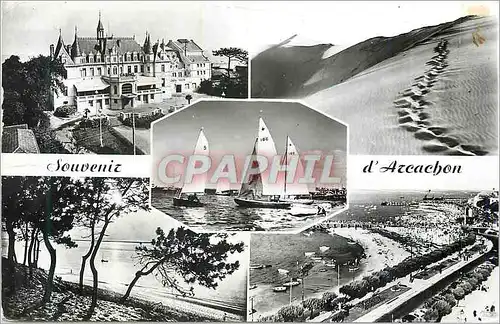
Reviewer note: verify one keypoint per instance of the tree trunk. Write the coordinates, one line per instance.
(52, 267)
(26, 242)
(85, 258)
(138, 275)
(11, 256)
(95, 275)
(11, 252)
(229, 67)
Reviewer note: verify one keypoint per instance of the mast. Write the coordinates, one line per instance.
(286, 163)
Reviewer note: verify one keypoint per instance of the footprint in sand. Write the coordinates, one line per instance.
(412, 117)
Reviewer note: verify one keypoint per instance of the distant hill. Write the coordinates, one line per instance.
(297, 71)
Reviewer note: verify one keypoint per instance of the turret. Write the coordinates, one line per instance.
(60, 44)
(75, 48)
(100, 28)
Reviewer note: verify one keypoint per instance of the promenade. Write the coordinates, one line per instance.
(418, 286)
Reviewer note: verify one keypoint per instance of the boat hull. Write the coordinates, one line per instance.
(261, 204)
(299, 201)
(187, 203)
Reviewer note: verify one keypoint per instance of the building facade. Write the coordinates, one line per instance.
(116, 72)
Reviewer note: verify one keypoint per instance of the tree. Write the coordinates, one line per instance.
(313, 304)
(304, 272)
(232, 53)
(27, 94)
(121, 196)
(189, 98)
(291, 313)
(52, 205)
(197, 258)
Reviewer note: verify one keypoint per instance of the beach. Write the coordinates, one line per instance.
(266, 302)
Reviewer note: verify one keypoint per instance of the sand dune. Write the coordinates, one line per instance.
(430, 91)
(288, 71)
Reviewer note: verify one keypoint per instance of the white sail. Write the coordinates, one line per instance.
(199, 181)
(223, 185)
(267, 148)
(295, 188)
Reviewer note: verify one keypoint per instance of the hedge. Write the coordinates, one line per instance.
(141, 122)
(65, 111)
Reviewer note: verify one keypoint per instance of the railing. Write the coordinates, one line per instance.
(98, 96)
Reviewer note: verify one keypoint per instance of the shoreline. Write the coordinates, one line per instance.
(109, 307)
(369, 264)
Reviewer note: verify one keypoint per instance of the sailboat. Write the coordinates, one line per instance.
(223, 188)
(187, 196)
(292, 191)
(257, 192)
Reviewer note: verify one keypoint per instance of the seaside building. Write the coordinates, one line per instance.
(116, 72)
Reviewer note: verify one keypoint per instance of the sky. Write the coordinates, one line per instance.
(28, 28)
(231, 128)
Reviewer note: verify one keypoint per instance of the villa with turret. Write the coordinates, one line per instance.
(108, 72)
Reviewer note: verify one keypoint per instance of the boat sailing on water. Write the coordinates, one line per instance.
(292, 192)
(188, 195)
(256, 191)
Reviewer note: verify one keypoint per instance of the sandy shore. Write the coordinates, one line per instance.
(391, 254)
(478, 300)
(380, 251)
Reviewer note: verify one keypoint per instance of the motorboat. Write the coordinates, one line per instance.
(279, 289)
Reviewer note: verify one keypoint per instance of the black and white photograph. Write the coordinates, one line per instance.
(90, 77)
(249, 166)
(409, 78)
(394, 256)
(91, 249)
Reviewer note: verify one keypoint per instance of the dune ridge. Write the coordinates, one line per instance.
(299, 71)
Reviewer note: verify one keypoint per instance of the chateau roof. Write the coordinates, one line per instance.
(91, 85)
(187, 44)
(19, 139)
(123, 44)
(197, 59)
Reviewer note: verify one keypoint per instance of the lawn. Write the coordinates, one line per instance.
(90, 139)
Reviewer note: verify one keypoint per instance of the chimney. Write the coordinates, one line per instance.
(51, 50)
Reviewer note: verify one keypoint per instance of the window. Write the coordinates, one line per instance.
(149, 68)
(91, 103)
(135, 68)
(187, 85)
(180, 74)
(139, 98)
(120, 58)
(152, 96)
(92, 71)
(65, 91)
(127, 88)
(84, 72)
(99, 71)
(121, 69)
(114, 58)
(115, 101)
(91, 59)
(64, 60)
(107, 59)
(163, 82)
(174, 74)
(194, 85)
(106, 101)
(115, 70)
(129, 69)
(98, 58)
(65, 102)
(109, 71)
(142, 68)
(115, 89)
(163, 67)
